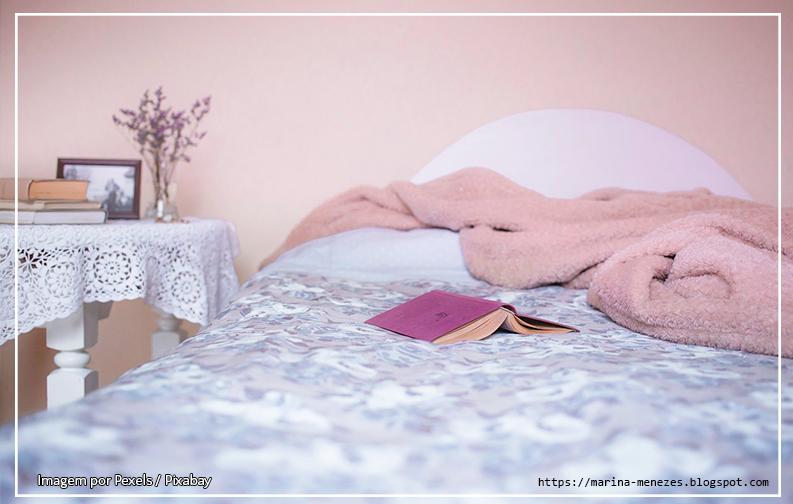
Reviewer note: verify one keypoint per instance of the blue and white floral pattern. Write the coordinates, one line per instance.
(288, 391)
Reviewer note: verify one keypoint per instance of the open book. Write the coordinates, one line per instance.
(444, 317)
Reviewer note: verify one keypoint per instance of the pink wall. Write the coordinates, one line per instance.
(307, 107)
(344, 101)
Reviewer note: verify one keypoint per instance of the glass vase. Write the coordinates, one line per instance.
(163, 207)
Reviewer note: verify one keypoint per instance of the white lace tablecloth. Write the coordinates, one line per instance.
(184, 269)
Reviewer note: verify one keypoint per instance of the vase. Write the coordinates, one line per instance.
(163, 207)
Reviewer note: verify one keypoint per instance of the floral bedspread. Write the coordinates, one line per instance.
(288, 391)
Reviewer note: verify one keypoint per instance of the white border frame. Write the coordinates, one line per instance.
(778, 15)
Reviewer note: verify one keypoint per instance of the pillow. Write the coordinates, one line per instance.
(377, 254)
(564, 153)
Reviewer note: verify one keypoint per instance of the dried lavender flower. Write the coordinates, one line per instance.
(160, 135)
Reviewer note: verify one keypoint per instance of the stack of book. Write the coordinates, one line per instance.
(50, 201)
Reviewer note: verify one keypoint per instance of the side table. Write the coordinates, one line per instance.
(69, 276)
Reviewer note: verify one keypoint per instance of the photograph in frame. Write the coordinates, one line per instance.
(113, 182)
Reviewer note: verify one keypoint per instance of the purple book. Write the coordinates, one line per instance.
(445, 317)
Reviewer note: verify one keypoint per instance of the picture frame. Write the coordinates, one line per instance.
(110, 181)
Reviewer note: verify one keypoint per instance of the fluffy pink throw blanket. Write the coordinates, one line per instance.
(689, 267)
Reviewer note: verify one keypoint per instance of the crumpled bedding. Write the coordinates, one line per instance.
(515, 237)
(706, 279)
(287, 391)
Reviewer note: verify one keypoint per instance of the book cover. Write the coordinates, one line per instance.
(432, 315)
(54, 217)
(47, 205)
(44, 189)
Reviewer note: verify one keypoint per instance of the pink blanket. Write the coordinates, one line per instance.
(689, 267)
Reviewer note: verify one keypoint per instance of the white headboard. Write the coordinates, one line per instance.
(564, 153)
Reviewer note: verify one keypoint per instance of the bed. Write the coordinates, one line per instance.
(287, 391)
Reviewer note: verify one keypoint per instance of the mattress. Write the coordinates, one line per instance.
(287, 391)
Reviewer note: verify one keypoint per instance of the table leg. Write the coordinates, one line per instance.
(71, 336)
(169, 335)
